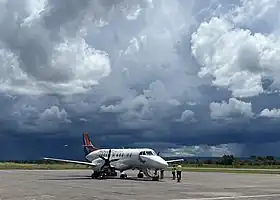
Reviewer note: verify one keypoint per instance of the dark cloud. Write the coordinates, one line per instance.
(163, 74)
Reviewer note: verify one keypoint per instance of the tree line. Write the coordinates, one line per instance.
(224, 160)
(235, 161)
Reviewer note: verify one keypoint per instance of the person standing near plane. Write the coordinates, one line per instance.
(174, 171)
(179, 172)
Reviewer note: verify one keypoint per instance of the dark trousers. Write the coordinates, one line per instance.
(174, 176)
(179, 175)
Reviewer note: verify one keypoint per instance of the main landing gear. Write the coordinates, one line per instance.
(95, 175)
(103, 174)
(123, 175)
(140, 174)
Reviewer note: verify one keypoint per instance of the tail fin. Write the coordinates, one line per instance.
(88, 147)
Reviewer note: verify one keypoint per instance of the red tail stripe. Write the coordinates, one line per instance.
(88, 143)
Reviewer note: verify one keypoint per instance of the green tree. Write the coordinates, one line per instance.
(227, 160)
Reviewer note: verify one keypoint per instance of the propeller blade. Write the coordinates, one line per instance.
(102, 167)
(102, 158)
(107, 160)
(109, 155)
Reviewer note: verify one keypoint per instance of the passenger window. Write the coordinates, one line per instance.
(127, 155)
(130, 154)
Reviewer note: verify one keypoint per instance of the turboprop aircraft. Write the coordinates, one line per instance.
(105, 162)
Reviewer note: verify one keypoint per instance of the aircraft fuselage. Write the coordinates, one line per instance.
(141, 158)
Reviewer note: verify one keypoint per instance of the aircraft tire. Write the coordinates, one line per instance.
(140, 175)
(95, 175)
(155, 178)
(123, 176)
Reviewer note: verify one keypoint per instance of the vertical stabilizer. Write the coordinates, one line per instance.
(88, 147)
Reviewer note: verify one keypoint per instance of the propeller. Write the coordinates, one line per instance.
(107, 160)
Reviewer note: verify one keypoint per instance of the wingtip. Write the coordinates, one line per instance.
(46, 158)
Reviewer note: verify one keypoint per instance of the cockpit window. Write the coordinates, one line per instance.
(150, 153)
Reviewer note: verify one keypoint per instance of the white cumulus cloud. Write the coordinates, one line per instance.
(273, 113)
(235, 56)
(234, 108)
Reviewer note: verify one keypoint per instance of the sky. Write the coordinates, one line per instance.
(196, 77)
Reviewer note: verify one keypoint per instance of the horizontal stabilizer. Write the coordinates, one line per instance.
(71, 161)
(176, 160)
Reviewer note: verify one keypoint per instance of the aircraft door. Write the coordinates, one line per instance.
(140, 157)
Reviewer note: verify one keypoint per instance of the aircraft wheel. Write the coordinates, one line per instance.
(155, 178)
(95, 175)
(123, 176)
(140, 175)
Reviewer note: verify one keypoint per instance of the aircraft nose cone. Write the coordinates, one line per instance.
(164, 163)
(161, 163)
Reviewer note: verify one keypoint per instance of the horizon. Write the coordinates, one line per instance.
(175, 157)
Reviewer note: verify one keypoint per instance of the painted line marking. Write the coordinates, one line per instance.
(233, 197)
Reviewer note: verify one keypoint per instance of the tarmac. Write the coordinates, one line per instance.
(77, 184)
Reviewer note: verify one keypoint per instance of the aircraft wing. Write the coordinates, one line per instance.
(176, 160)
(72, 161)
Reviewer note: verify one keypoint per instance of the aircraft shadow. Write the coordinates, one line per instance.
(61, 178)
(137, 179)
(104, 179)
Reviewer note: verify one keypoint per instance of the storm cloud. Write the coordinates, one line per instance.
(163, 74)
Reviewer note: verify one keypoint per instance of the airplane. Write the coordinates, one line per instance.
(105, 162)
